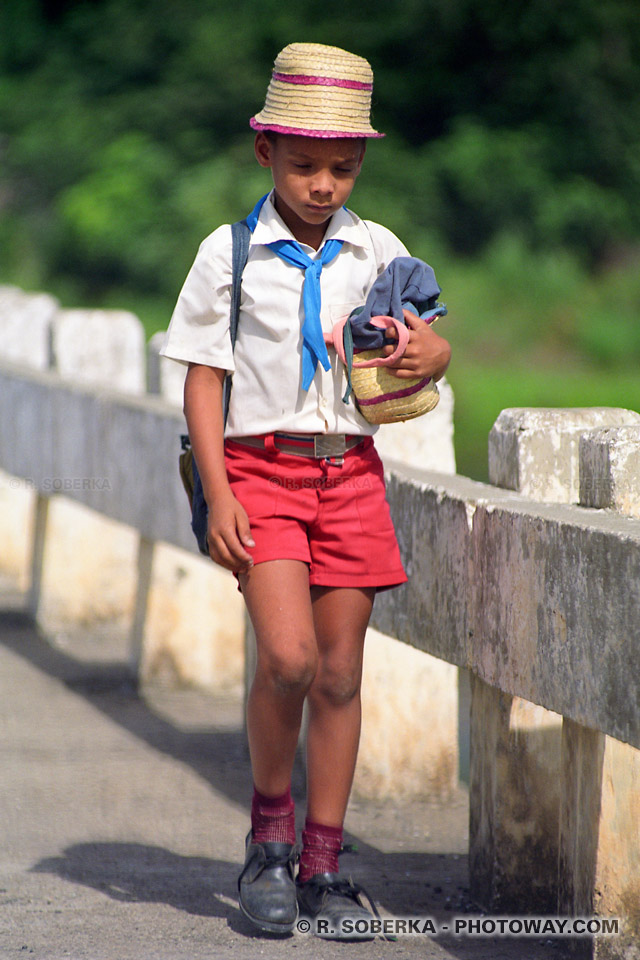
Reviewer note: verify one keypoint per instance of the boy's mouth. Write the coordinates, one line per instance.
(320, 207)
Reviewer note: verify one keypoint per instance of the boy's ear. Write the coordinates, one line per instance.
(263, 149)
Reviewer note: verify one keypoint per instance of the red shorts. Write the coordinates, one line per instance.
(333, 517)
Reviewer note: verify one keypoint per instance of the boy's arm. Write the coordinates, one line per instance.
(427, 354)
(228, 525)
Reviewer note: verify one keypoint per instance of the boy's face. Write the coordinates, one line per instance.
(313, 178)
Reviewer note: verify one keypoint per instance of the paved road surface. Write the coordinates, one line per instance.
(123, 815)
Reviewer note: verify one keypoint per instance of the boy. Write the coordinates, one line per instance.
(294, 487)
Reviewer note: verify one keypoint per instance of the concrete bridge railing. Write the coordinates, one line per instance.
(531, 583)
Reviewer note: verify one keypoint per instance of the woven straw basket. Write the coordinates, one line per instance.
(383, 398)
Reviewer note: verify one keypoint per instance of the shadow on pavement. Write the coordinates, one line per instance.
(139, 873)
(402, 883)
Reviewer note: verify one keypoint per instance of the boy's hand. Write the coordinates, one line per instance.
(229, 533)
(427, 354)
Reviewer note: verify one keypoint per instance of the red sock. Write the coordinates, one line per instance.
(320, 848)
(273, 818)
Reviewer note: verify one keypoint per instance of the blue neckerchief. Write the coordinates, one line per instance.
(313, 346)
(252, 219)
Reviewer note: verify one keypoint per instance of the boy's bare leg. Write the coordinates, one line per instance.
(278, 600)
(279, 603)
(340, 616)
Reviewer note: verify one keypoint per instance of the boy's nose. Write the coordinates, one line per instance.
(322, 184)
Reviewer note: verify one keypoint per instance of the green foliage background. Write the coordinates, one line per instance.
(512, 164)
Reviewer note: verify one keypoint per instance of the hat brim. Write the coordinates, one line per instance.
(306, 132)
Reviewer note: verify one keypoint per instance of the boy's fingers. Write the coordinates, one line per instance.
(221, 559)
(406, 362)
(228, 562)
(412, 320)
(239, 555)
(229, 551)
(244, 530)
(402, 374)
(219, 553)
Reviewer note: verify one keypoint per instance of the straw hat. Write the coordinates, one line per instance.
(318, 91)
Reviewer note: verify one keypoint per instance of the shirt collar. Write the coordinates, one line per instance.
(344, 225)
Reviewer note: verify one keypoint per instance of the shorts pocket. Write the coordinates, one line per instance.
(254, 482)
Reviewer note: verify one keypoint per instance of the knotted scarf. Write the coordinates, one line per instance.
(314, 349)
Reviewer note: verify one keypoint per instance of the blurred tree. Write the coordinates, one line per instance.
(501, 117)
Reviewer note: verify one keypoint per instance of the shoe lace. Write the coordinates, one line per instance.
(272, 859)
(345, 887)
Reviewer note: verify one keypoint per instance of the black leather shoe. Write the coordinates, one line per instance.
(266, 886)
(333, 903)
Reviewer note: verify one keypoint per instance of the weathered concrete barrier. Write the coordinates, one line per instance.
(542, 602)
(487, 565)
(523, 594)
(186, 616)
(73, 583)
(99, 346)
(537, 595)
(26, 326)
(573, 815)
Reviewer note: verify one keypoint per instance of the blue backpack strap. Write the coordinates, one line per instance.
(240, 240)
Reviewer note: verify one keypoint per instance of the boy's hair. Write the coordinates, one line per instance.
(318, 91)
(273, 136)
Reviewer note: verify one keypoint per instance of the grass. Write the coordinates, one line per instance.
(482, 391)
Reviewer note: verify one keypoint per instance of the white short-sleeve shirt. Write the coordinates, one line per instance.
(267, 392)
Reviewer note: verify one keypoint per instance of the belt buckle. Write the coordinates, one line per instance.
(329, 445)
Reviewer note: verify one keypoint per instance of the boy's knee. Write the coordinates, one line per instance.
(289, 673)
(338, 686)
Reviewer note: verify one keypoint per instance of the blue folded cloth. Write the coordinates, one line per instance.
(407, 282)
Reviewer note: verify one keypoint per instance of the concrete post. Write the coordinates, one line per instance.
(490, 709)
(164, 376)
(145, 570)
(404, 692)
(516, 780)
(104, 347)
(25, 326)
(513, 825)
(200, 650)
(40, 515)
(100, 346)
(536, 451)
(599, 862)
(25, 338)
(610, 469)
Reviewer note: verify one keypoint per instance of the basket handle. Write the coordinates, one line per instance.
(336, 337)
